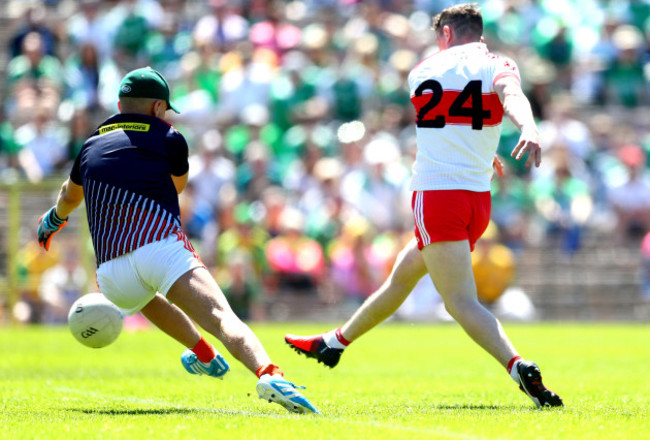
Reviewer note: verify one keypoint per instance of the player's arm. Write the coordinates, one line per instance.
(178, 154)
(517, 107)
(180, 182)
(70, 196)
(56, 217)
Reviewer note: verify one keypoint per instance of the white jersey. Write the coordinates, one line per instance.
(459, 114)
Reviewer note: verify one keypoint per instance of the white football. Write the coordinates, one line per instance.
(95, 321)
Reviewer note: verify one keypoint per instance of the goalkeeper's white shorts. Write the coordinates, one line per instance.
(131, 280)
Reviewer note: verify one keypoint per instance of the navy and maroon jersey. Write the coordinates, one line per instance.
(125, 169)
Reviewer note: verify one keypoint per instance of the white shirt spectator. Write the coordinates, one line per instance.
(222, 29)
(43, 147)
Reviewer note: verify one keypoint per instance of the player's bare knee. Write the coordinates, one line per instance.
(459, 305)
(234, 327)
(219, 315)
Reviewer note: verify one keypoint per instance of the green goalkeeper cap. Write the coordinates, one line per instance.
(146, 83)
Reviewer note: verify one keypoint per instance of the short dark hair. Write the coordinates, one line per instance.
(465, 20)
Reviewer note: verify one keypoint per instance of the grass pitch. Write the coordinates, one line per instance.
(399, 381)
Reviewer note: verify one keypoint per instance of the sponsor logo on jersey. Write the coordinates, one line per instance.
(127, 126)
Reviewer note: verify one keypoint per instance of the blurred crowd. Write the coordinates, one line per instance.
(301, 129)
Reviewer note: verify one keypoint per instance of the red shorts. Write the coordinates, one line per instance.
(450, 215)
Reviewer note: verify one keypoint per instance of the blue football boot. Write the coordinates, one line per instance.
(217, 367)
(276, 389)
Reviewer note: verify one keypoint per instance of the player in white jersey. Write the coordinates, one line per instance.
(459, 116)
(460, 95)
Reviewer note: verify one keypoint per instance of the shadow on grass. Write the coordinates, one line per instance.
(478, 407)
(134, 412)
(170, 412)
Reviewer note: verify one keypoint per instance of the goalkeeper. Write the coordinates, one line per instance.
(130, 172)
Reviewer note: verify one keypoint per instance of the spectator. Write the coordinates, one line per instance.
(291, 90)
(625, 83)
(559, 50)
(297, 262)
(354, 267)
(91, 80)
(631, 197)
(302, 178)
(196, 212)
(242, 287)
(197, 92)
(273, 202)
(392, 87)
(34, 79)
(60, 286)
(33, 21)
(89, 25)
(274, 33)
(8, 148)
(379, 195)
(257, 172)
(43, 145)
(564, 201)
(210, 170)
(493, 265)
(325, 208)
(167, 45)
(80, 128)
(130, 38)
(223, 28)
(246, 83)
(31, 264)
(540, 75)
(589, 76)
(512, 209)
(244, 236)
(562, 127)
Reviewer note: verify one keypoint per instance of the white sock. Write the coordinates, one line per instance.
(514, 372)
(332, 341)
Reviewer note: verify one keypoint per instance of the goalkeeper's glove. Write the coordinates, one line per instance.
(48, 225)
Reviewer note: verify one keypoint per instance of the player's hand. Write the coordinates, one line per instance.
(528, 143)
(48, 225)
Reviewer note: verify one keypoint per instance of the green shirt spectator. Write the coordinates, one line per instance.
(167, 45)
(132, 34)
(8, 146)
(34, 65)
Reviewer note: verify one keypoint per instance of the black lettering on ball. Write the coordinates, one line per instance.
(88, 332)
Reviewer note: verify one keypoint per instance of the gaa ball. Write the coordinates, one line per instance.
(95, 321)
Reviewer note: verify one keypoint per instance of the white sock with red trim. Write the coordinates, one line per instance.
(334, 339)
(512, 368)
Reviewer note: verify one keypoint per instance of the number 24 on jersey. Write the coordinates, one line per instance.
(437, 107)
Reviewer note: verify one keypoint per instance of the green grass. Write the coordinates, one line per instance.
(399, 381)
